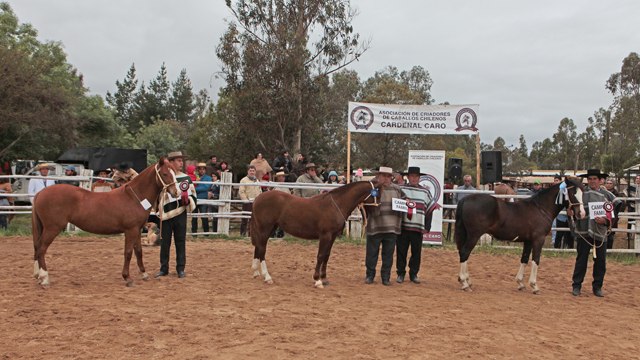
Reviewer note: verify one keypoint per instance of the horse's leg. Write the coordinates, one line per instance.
(137, 248)
(261, 249)
(323, 272)
(46, 239)
(535, 262)
(129, 240)
(524, 260)
(323, 255)
(255, 266)
(464, 252)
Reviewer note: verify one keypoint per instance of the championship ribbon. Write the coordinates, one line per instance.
(608, 208)
(411, 206)
(184, 198)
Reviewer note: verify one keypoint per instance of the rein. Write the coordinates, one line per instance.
(162, 194)
(535, 201)
(340, 211)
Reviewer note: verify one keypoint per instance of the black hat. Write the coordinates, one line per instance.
(412, 170)
(595, 172)
(124, 166)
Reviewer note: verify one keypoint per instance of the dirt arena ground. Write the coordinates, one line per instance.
(219, 311)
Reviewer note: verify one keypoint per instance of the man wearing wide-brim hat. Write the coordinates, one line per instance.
(309, 177)
(124, 173)
(592, 230)
(415, 223)
(383, 227)
(173, 213)
(36, 185)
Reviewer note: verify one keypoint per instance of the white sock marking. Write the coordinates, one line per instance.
(43, 276)
(265, 273)
(533, 278)
(36, 268)
(255, 266)
(520, 276)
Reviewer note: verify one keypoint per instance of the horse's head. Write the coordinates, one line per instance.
(575, 189)
(166, 174)
(376, 188)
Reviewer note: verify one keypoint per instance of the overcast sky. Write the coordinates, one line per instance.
(528, 64)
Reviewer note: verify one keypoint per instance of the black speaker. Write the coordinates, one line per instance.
(491, 166)
(455, 168)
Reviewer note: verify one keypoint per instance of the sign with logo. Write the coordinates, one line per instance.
(413, 119)
(432, 164)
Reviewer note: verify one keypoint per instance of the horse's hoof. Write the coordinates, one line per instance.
(522, 288)
(467, 289)
(45, 286)
(131, 284)
(536, 292)
(145, 276)
(256, 276)
(326, 283)
(319, 286)
(270, 282)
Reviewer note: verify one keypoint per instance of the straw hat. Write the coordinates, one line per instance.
(202, 165)
(44, 166)
(383, 170)
(177, 155)
(280, 173)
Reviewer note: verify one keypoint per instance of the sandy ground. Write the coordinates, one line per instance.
(220, 311)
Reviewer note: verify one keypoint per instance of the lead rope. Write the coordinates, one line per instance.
(340, 211)
(162, 194)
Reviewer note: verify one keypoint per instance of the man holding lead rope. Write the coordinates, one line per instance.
(592, 230)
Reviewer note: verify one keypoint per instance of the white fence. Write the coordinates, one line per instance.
(224, 213)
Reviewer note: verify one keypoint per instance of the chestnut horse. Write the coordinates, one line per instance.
(527, 221)
(113, 212)
(321, 217)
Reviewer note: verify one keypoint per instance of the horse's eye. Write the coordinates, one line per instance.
(165, 174)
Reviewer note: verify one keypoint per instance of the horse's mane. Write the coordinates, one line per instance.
(534, 197)
(344, 188)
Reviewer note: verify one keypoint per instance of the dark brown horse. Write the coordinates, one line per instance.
(321, 217)
(107, 213)
(527, 221)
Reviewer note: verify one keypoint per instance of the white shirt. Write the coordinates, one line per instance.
(36, 185)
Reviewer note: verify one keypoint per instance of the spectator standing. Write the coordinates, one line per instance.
(383, 228)
(5, 188)
(537, 187)
(202, 192)
(248, 193)
(467, 186)
(36, 185)
(262, 166)
(70, 171)
(214, 194)
(414, 225)
(333, 178)
(174, 217)
(224, 167)
(590, 232)
(610, 186)
(124, 173)
(282, 162)
(213, 165)
(308, 178)
(102, 185)
(561, 239)
(298, 167)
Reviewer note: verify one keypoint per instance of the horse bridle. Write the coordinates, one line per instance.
(375, 198)
(162, 194)
(164, 186)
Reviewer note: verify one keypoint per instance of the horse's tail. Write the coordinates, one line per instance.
(461, 230)
(36, 228)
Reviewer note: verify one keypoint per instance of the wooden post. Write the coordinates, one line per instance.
(225, 194)
(348, 157)
(478, 174)
(348, 164)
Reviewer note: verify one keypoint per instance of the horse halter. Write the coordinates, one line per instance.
(164, 186)
(375, 197)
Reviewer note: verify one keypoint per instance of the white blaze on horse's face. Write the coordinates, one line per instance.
(579, 198)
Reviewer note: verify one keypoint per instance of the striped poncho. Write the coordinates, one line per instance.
(422, 214)
(170, 204)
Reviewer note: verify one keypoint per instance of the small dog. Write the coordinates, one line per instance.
(153, 235)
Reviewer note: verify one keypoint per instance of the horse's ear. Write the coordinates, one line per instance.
(161, 160)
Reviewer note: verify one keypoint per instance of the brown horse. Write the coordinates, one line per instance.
(527, 221)
(504, 189)
(321, 217)
(106, 213)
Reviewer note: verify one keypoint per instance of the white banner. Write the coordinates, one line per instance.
(431, 163)
(413, 119)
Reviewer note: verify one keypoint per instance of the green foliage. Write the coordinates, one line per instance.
(161, 138)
